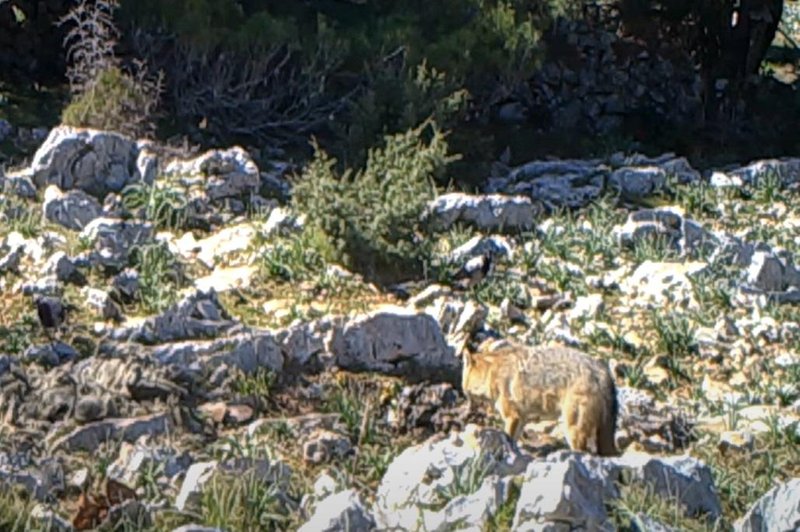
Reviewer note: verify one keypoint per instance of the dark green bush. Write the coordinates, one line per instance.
(372, 216)
(396, 98)
(397, 61)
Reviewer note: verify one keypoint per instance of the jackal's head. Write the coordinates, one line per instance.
(475, 376)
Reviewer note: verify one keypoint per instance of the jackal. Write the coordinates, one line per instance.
(534, 383)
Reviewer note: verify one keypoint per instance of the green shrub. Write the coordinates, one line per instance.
(372, 216)
(396, 98)
(116, 101)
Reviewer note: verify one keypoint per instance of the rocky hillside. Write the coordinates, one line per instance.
(211, 369)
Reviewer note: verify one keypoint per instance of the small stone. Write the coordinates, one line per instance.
(736, 441)
(325, 445)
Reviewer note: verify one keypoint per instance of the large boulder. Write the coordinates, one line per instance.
(488, 213)
(97, 162)
(420, 489)
(397, 341)
(778, 509)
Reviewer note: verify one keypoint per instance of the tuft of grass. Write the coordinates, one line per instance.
(467, 478)
(297, 257)
(15, 338)
(499, 287)
(164, 206)
(698, 199)
(503, 518)
(246, 503)
(347, 399)
(15, 509)
(20, 216)
(637, 499)
(768, 186)
(675, 334)
(657, 248)
(559, 275)
(258, 384)
(742, 478)
(159, 277)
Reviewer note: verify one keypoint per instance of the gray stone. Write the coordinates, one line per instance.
(771, 271)
(776, 510)
(323, 446)
(112, 240)
(90, 436)
(488, 213)
(637, 183)
(100, 301)
(497, 245)
(134, 458)
(669, 224)
(198, 475)
(342, 511)
(10, 262)
(566, 489)
(97, 162)
(42, 481)
(19, 185)
(683, 478)
(246, 352)
(64, 269)
(73, 210)
(125, 285)
(51, 355)
(473, 511)
(198, 316)
(419, 476)
(43, 518)
(396, 341)
(785, 170)
(458, 319)
(282, 221)
(230, 173)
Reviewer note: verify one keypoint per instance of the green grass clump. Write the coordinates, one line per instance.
(675, 334)
(115, 101)
(245, 503)
(164, 206)
(741, 478)
(159, 277)
(15, 509)
(21, 216)
(297, 257)
(638, 500)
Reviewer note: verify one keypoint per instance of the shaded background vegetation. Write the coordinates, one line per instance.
(270, 74)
